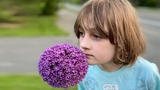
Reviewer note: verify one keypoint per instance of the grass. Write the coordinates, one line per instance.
(25, 82)
(32, 26)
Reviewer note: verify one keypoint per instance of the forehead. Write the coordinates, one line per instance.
(88, 23)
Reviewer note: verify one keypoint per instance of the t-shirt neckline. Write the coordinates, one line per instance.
(115, 73)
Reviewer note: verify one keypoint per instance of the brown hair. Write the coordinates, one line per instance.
(117, 21)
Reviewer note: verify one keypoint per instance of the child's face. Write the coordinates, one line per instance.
(98, 50)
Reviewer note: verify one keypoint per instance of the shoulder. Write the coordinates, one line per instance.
(147, 70)
(143, 69)
(146, 66)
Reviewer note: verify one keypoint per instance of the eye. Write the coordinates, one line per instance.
(81, 33)
(96, 37)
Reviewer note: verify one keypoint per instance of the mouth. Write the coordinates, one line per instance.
(88, 56)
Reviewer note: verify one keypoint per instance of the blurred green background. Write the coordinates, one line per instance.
(29, 18)
(37, 18)
(25, 82)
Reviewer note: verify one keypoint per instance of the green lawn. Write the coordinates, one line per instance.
(32, 26)
(25, 82)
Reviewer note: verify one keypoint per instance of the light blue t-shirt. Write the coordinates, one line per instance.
(143, 75)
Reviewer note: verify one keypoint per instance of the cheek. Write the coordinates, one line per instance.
(79, 42)
(106, 53)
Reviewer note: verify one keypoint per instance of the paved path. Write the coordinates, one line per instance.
(20, 55)
(66, 20)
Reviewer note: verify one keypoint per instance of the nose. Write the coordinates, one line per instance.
(85, 43)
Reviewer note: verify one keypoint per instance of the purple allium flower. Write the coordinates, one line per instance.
(62, 65)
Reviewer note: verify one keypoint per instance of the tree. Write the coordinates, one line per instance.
(50, 7)
(135, 2)
(158, 3)
(83, 1)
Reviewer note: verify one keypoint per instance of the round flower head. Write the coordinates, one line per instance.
(62, 65)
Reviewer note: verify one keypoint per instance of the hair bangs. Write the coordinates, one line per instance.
(91, 18)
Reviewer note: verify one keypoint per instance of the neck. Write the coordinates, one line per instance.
(110, 67)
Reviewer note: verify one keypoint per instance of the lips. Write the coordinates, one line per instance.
(88, 55)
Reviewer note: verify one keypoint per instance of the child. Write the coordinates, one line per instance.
(111, 38)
